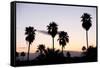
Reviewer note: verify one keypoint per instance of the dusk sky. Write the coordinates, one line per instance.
(67, 18)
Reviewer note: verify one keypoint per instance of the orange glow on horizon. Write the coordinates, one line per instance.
(75, 43)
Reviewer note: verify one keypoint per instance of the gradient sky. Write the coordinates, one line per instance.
(67, 18)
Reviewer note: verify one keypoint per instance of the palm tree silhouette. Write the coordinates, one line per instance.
(22, 54)
(41, 48)
(68, 54)
(86, 19)
(63, 39)
(50, 53)
(52, 30)
(30, 32)
(83, 48)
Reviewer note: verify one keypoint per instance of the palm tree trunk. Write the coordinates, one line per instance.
(53, 43)
(28, 52)
(87, 38)
(62, 49)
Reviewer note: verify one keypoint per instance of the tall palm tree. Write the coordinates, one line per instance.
(23, 54)
(86, 19)
(52, 30)
(63, 39)
(41, 48)
(30, 32)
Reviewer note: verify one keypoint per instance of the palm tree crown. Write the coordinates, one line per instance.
(30, 32)
(83, 48)
(52, 29)
(63, 39)
(86, 19)
(41, 48)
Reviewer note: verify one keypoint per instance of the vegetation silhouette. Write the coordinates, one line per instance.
(41, 48)
(17, 55)
(68, 54)
(83, 48)
(90, 54)
(86, 19)
(49, 56)
(23, 55)
(52, 30)
(63, 39)
(30, 32)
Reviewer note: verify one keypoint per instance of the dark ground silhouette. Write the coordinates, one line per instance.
(56, 57)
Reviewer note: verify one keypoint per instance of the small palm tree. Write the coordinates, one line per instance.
(86, 19)
(30, 32)
(50, 53)
(63, 39)
(68, 54)
(83, 48)
(52, 30)
(23, 54)
(41, 48)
